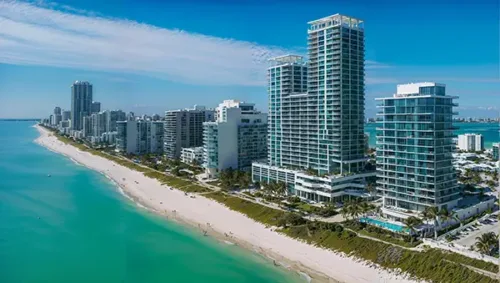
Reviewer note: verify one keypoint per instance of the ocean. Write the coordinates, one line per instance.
(490, 132)
(75, 227)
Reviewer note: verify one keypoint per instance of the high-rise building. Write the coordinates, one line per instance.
(288, 99)
(156, 117)
(236, 139)
(130, 116)
(316, 122)
(95, 107)
(66, 115)
(471, 142)
(184, 128)
(57, 117)
(98, 122)
(336, 79)
(496, 151)
(87, 127)
(414, 150)
(112, 117)
(139, 137)
(81, 103)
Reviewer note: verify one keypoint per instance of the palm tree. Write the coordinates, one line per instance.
(364, 207)
(455, 216)
(445, 215)
(281, 189)
(271, 187)
(355, 209)
(245, 180)
(345, 211)
(411, 223)
(432, 213)
(485, 242)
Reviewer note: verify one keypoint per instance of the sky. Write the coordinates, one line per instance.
(150, 56)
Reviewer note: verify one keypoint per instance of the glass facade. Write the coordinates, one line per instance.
(210, 145)
(414, 150)
(286, 77)
(336, 80)
(496, 151)
(316, 115)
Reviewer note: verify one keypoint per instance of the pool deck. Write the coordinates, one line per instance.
(384, 221)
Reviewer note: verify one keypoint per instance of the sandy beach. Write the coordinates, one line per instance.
(224, 224)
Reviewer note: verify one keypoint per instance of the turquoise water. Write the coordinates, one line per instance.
(76, 227)
(490, 132)
(383, 224)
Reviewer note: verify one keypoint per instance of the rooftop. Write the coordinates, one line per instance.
(287, 59)
(336, 20)
(81, 83)
(472, 200)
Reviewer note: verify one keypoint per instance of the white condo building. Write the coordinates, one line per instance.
(236, 139)
(184, 128)
(471, 142)
(139, 137)
(191, 155)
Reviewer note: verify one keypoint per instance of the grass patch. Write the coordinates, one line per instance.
(379, 233)
(306, 207)
(172, 181)
(249, 195)
(390, 239)
(257, 212)
(195, 189)
(428, 265)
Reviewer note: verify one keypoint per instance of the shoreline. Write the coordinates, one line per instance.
(224, 225)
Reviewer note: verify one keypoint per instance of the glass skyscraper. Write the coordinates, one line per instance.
(414, 149)
(316, 114)
(81, 103)
(336, 81)
(288, 119)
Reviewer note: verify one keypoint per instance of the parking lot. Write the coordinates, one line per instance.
(467, 237)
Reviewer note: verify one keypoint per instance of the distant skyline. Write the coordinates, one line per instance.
(150, 56)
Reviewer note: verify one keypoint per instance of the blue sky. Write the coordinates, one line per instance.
(149, 56)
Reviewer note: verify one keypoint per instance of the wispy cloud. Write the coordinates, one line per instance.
(370, 64)
(50, 35)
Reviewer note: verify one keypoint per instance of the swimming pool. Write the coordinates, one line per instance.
(383, 224)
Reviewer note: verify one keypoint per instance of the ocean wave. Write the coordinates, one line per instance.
(305, 276)
(123, 193)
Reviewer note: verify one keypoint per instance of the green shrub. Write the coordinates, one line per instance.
(260, 213)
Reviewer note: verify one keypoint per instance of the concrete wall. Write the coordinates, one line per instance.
(476, 209)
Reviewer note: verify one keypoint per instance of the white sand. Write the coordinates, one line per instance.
(300, 256)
